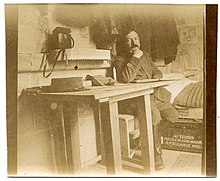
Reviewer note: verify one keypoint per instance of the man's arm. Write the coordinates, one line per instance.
(130, 68)
(126, 70)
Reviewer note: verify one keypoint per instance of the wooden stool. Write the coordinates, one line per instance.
(128, 131)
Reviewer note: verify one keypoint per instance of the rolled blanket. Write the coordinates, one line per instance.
(191, 95)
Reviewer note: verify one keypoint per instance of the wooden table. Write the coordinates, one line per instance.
(107, 98)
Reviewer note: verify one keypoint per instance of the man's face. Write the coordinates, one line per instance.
(132, 42)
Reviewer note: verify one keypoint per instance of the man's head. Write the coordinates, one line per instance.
(132, 42)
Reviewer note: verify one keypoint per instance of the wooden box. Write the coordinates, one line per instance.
(185, 135)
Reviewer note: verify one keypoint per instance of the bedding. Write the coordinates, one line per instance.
(190, 112)
(186, 92)
(191, 96)
(177, 87)
(187, 98)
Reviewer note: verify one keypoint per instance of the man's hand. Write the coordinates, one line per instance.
(137, 54)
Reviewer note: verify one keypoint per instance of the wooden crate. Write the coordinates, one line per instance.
(184, 135)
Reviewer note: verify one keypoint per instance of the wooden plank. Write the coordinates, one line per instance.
(87, 131)
(124, 137)
(32, 62)
(99, 138)
(75, 142)
(55, 116)
(146, 133)
(131, 95)
(91, 161)
(11, 28)
(132, 169)
(125, 88)
(101, 92)
(132, 160)
(110, 127)
(120, 90)
(67, 109)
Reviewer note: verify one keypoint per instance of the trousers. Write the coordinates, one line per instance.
(159, 109)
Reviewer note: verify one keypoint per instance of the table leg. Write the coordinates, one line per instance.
(99, 138)
(146, 133)
(110, 130)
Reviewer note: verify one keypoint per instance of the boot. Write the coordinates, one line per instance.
(157, 147)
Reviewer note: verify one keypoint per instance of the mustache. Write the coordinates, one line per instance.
(134, 46)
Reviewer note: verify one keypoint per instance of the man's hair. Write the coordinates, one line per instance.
(121, 49)
(126, 27)
(128, 30)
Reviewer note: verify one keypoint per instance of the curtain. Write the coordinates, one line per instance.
(155, 25)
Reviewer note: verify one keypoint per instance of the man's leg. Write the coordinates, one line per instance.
(129, 107)
(157, 147)
(168, 114)
(156, 120)
(156, 117)
(167, 111)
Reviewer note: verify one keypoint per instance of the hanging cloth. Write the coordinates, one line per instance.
(156, 28)
(164, 39)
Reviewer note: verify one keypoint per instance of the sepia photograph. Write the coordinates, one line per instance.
(110, 90)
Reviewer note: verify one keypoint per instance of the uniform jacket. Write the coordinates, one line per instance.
(132, 68)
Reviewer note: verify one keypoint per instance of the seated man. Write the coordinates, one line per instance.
(133, 64)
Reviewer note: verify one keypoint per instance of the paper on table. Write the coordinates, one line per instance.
(145, 80)
(173, 76)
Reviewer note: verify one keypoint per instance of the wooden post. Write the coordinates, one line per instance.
(74, 133)
(146, 133)
(110, 130)
(99, 138)
(11, 27)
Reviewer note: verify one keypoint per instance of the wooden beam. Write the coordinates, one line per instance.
(99, 138)
(146, 133)
(110, 127)
(11, 27)
(75, 142)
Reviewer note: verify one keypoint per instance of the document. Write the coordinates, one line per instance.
(173, 76)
